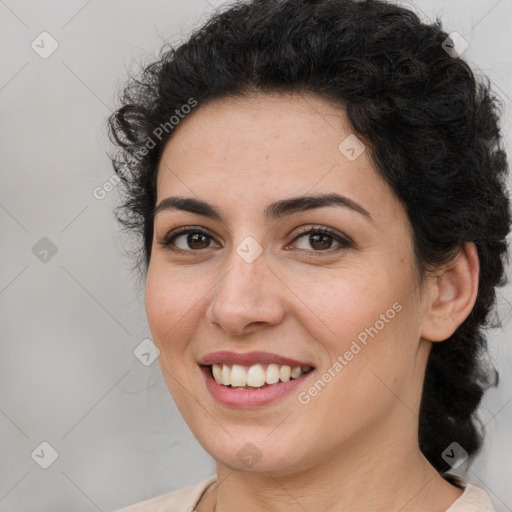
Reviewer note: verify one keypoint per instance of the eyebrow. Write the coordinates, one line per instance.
(273, 211)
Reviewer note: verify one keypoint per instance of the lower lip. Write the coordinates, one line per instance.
(234, 397)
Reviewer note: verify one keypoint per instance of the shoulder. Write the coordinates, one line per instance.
(473, 499)
(179, 500)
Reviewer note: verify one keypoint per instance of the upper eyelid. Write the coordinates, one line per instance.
(184, 229)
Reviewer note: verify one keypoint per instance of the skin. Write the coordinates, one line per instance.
(354, 446)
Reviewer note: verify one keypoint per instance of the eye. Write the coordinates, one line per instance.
(193, 239)
(321, 239)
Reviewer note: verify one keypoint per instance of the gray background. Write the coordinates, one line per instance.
(69, 325)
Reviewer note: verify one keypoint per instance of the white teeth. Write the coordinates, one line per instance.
(255, 376)
(217, 372)
(226, 375)
(296, 372)
(238, 376)
(272, 374)
(285, 373)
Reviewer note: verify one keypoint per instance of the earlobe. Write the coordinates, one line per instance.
(451, 295)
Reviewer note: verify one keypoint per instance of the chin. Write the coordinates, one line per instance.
(257, 457)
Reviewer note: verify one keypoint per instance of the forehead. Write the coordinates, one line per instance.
(259, 123)
(268, 146)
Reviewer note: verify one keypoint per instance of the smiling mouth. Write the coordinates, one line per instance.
(257, 376)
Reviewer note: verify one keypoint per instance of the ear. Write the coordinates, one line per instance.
(451, 295)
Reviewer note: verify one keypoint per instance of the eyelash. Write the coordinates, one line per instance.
(344, 242)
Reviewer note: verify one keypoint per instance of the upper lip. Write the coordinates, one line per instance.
(249, 359)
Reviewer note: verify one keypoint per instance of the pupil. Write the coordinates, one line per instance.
(193, 238)
(320, 235)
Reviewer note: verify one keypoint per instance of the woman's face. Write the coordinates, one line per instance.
(252, 279)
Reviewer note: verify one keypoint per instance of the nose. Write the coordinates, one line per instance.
(249, 296)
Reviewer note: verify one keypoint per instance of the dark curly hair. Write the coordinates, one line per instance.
(431, 128)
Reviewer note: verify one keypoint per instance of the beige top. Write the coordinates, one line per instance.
(473, 499)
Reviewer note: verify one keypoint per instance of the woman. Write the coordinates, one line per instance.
(320, 191)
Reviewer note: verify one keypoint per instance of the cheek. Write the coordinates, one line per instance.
(170, 313)
(170, 307)
(372, 328)
(351, 302)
